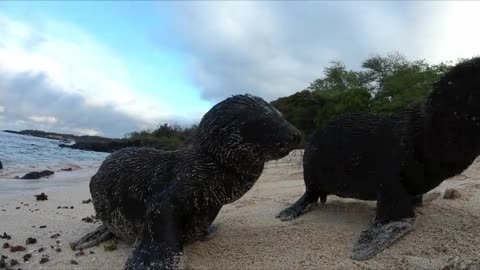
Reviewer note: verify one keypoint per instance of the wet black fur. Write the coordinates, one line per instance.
(162, 200)
(396, 160)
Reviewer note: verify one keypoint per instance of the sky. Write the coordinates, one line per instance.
(113, 67)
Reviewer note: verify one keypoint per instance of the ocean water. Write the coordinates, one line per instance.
(21, 154)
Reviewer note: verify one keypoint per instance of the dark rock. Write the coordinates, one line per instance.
(87, 201)
(41, 197)
(58, 250)
(27, 257)
(3, 264)
(5, 236)
(6, 245)
(1, 165)
(66, 170)
(37, 175)
(88, 219)
(31, 241)
(43, 227)
(44, 259)
(13, 262)
(55, 236)
(17, 248)
(73, 262)
(41, 250)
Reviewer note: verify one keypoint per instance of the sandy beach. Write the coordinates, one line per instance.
(446, 234)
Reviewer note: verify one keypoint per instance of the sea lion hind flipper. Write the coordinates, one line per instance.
(379, 236)
(151, 255)
(101, 234)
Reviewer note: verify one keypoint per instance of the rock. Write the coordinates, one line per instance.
(3, 264)
(31, 241)
(41, 197)
(44, 259)
(27, 257)
(13, 262)
(66, 170)
(6, 245)
(87, 201)
(451, 194)
(17, 248)
(73, 262)
(1, 165)
(55, 236)
(37, 175)
(5, 236)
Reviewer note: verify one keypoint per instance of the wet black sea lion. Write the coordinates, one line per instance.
(395, 160)
(162, 200)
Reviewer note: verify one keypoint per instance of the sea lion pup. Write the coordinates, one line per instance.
(162, 200)
(395, 160)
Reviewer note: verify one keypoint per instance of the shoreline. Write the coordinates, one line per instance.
(446, 233)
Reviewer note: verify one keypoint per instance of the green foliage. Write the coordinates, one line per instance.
(167, 137)
(384, 85)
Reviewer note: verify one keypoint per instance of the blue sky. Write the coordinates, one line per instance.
(113, 67)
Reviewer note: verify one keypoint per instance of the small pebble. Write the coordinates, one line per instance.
(73, 262)
(17, 248)
(41, 197)
(13, 262)
(6, 236)
(55, 235)
(31, 241)
(44, 259)
(58, 250)
(6, 245)
(27, 257)
(41, 250)
(43, 226)
(87, 201)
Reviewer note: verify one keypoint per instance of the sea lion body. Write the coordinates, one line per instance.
(395, 160)
(162, 200)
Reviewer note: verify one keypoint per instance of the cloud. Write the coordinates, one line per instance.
(41, 105)
(43, 119)
(54, 76)
(274, 49)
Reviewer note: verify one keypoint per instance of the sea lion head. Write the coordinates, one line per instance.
(244, 130)
(455, 99)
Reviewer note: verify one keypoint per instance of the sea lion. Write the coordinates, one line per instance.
(162, 200)
(395, 160)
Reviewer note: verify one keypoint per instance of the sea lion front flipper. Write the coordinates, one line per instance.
(101, 234)
(395, 217)
(211, 233)
(152, 255)
(379, 236)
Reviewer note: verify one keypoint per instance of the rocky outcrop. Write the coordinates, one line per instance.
(107, 147)
(37, 175)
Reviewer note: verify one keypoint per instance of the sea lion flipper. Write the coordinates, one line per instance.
(379, 236)
(210, 233)
(152, 255)
(301, 206)
(101, 234)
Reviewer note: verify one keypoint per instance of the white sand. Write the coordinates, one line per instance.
(447, 232)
